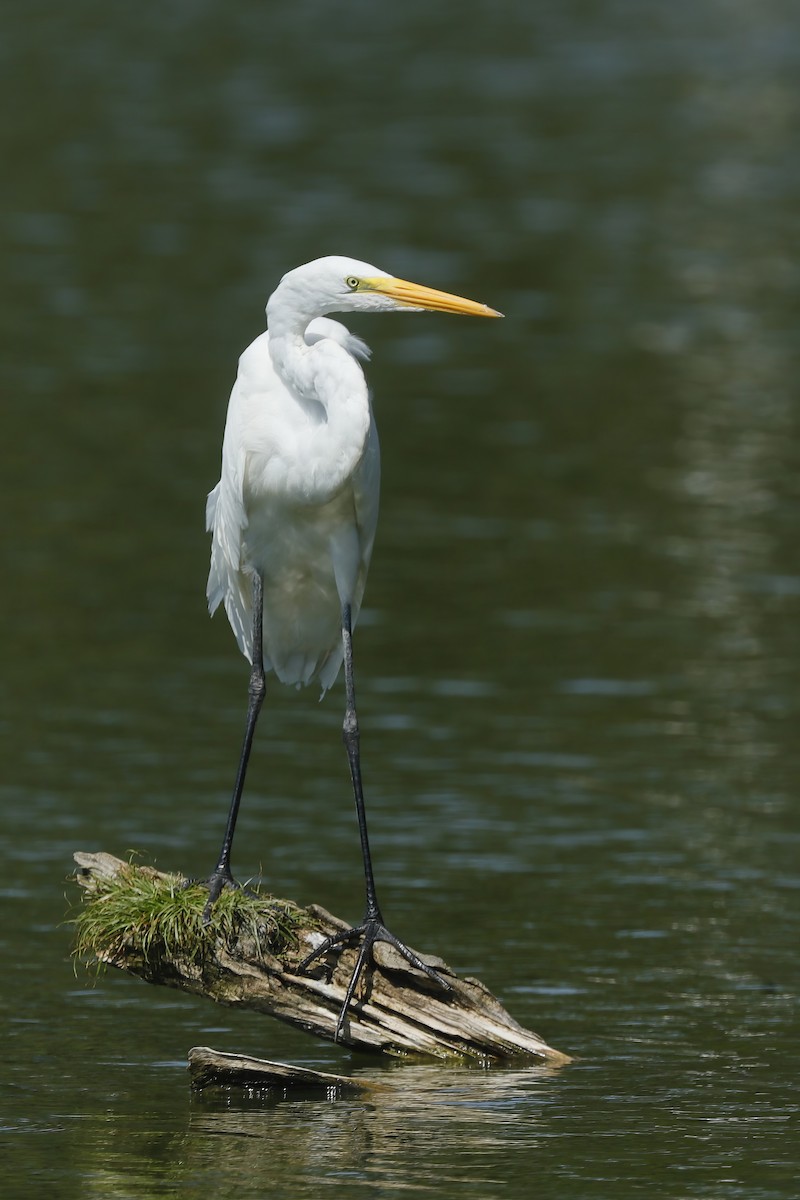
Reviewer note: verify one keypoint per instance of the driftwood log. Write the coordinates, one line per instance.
(397, 1010)
(212, 1068)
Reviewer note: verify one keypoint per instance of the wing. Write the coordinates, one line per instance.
(226, 520)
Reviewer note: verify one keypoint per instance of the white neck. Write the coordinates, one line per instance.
(327, 383)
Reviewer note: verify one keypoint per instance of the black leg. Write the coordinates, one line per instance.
(372, 928)
(221, 876)
(352, 744)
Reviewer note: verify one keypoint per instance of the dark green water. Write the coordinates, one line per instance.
(579, 661)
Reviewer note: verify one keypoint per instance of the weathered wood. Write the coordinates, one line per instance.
(397, 1011)
(212, 1068)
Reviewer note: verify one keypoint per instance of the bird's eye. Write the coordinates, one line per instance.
(352, 282)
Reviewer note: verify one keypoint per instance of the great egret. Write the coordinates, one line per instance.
(293, 516)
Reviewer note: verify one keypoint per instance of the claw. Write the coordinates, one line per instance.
(370, 931)
(216, 883)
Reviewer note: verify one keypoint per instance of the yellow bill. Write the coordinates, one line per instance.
(417, 296)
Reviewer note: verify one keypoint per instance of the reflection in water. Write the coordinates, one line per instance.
(419, 1124)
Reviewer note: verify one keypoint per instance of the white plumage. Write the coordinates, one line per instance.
(297, 501)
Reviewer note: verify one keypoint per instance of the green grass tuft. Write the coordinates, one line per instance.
(139, 911)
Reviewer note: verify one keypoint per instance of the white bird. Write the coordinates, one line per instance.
(293, 517)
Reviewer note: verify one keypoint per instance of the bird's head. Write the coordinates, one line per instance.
(337, 284)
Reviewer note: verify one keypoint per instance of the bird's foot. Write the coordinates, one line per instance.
(219, 879)
(370, 931)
